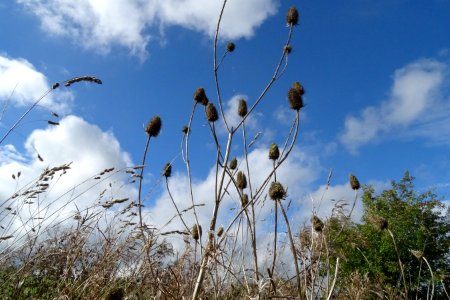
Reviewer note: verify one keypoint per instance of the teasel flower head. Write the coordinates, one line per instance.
(292, 16)
(211, 113)
(231, 46)
(167, 171)
(242, 108)
(354, 183)
(196, 232)
(154, 126)
(233, 163)
(241, 180)
(274, 152)
(276, 191)
(317, 223)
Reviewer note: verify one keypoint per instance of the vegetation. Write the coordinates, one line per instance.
(110, 250)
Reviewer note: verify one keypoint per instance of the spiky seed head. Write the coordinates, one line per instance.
(274, 152)
(295, 99)
(196, 232)
(317, 223)
(220, 231)
(199, 94)
(244, 200)
(242, 108)
(241, 180)
(167, 171)
(354, 182)
(233, 163)
(287, 49)
(276, 191)
(185, 129)
(417, 253)
(380, 222)
(153, 126)
(292, 16)
(231, 46)
(299, 87)
(211, 113)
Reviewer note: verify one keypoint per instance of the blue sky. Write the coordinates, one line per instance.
(376, 75)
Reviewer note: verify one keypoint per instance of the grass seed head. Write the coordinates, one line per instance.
(154, 126)
(354, 182)
(274, 152)
(167, 171)
(233, 163)
(292, 16)
(242, 108)
(276, 191)
(241, 180)
(211, 113)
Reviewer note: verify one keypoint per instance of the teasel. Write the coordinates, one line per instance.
(276, 191)
(220, 231)
(242, 108)
(292, 16)
(230, 47)
(295, 96)
(211, 113)
(167, 171)
(354, 183)
(380, 222)
(200, 96)
(153, 126)
(241, 180)
(417, 253)
(274, 152)
(196, 232)
(299, 87)
(317, 223)
(233, 163)
(287, 49)
(185, 129)
(244, 200)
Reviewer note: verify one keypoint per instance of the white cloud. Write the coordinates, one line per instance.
(21, 84)
(86, 148)
(101, 24)
(415, 96)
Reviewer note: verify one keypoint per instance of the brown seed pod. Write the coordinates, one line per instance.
(276, 191)
(220, 231)
(287, 49)
(292, 16)
(274, 152)
(153, 126)
(167, 171)
(196, 232)
(244, 200)
(231, 46)
(317, 223)
(380, 222)
(241, 180)
(297, 85)
(200, 96)
(242, 108)
(354, 183)
(233, 163)
(295, 99)
(211, 113)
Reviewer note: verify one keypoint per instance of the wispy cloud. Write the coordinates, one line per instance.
(417, 105)
(99, 25)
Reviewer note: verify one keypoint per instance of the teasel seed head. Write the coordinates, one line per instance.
(200, 96)
(196, 232)
(299, 87)
(231, 46)
(417, 253)
(354, 183)
(220, 231)
(167, 171)
(211, 113)
(242, 108)
(287, 49)
(244, 200)
(241, 180)
(380, 222)
(276, 191)
(295, 98)
(292, 16)
(233, 163)
(153, 126)
(274, 152)
(317, 223)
